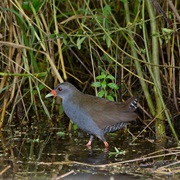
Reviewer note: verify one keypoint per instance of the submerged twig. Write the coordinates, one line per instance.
(4, 170)
(64, 175)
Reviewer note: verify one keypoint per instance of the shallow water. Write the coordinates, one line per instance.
(43, 154)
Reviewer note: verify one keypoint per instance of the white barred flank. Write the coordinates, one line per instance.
(133, 105)
(116, 127)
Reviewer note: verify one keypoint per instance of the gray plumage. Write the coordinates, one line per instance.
(94, 115)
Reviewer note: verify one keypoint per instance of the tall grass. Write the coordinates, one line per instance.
(44, 42)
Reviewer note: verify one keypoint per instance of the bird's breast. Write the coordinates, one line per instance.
(80, 117)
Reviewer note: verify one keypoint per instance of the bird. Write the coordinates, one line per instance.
(94, 115)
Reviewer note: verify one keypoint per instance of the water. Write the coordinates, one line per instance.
(40, 153)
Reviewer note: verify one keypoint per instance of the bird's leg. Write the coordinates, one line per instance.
(106, 144)
(90, 140)
(104, 141)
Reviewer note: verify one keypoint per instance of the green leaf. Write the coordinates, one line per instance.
(124, 1)
(103, 72)
(102, 76)
(75, 127)
(110, 98)
(166, 30)
(25, 5)
(110, 77)
(35, 4)
(61, 110)
(41, 86)
(96, 84)
(107, 10)
(108, 42)
(80, 41)
(107, 39)
(60, 133)
(64, 41)
(104, 84)
(113, 86)
(101, 93)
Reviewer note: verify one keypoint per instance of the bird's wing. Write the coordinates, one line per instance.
(107, 113)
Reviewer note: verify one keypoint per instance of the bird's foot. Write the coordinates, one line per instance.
(106, 144)
(89, 143)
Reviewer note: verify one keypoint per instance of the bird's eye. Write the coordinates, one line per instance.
(60, 89)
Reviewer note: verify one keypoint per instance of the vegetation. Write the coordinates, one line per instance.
(132, 44)
(113, 49)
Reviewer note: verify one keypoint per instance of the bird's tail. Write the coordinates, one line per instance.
(134, 104)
